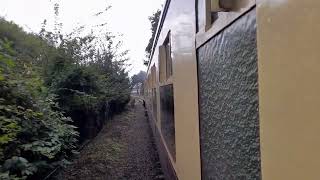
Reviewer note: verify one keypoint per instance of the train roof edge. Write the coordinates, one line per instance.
(159, 28)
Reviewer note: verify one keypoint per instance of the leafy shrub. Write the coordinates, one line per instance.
(34, 135)
(54, 91)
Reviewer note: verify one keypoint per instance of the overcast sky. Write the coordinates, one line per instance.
(126, 17)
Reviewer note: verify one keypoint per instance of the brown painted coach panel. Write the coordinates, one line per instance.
(289, 88)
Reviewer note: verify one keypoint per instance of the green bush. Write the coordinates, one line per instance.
(34, 135)
(53, 93)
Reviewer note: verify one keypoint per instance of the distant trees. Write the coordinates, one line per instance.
(154, 20)
(54, 91)
(138, 78)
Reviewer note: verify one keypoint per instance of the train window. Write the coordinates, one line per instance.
(228, 103)
(167, 45)
(167, 117)
(154, 91)
(162, 67)
(208, 11)
(213, 17)
(166, 95)
(149, 85)
(165, 60)
(153, 76)
(212, 9)
(154, 103)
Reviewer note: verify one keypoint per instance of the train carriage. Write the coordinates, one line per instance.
(232, 89)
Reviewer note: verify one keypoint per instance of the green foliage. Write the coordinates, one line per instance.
(88, 74)
(54, 91)
(34, 136)
(138, 78)
(27, 47)
(154, 20)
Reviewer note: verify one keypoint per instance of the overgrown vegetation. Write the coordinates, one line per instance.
(55, 90)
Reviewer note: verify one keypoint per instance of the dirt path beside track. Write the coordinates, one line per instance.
(123, 150)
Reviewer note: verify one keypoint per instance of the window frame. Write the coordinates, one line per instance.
(208, 27)
(166, 61)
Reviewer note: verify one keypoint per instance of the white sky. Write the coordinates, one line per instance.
(126, 17)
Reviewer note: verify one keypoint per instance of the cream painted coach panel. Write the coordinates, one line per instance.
(289, 88)
(180, 21)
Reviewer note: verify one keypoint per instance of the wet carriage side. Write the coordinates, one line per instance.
(225, 94)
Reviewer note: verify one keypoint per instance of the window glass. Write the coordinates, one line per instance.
(167, 117)
(165, 60)
(154, 103)
(168, 57)
(162, 64)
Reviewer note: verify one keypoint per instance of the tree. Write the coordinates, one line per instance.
(154, 20)
(54, 90)
(138, 78)
(34, 134)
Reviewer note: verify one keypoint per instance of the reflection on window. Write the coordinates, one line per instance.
(153, 91)
(167, 45)
(154, 103)
(165, 60)
(167, 117)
